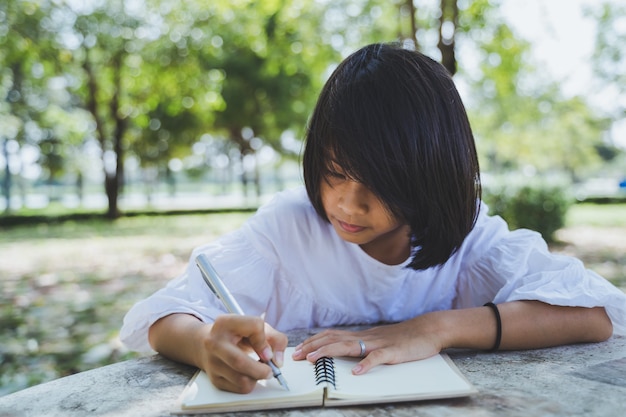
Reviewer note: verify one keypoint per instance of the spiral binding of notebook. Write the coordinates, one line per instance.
(325, 371)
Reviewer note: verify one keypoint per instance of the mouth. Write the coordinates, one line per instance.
(349, 228)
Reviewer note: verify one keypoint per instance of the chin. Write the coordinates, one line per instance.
(349, 237)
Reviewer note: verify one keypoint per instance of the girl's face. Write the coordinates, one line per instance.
(358, 216)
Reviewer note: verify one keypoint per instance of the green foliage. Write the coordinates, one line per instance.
(150, 81)
(609, 57)
(520, 119)
(598, 215)
(539, 207)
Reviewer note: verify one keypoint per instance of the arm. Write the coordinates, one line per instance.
(525, 325)
(221, 348)
(531, 325)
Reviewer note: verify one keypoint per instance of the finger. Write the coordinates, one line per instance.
(229, 364)
(315, 342)
(258, 339)
(232, 381)
(278, 341)
(374, 358)
(250, 328)
(234, 368)
(240, 326)
(240, 387)
(310, 348)
(345, 347)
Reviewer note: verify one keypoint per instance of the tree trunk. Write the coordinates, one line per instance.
(112, 177)
(245, 181)
(412, 12)
(115, 179)
(244, 149)
(446, 44)
(80, 188)
(111, 188)
(19, 108)
(6, 183)
(257, 176)
(120, 123)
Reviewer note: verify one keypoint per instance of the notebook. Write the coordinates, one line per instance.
(330, 383)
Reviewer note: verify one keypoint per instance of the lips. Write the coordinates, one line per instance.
(350, 228)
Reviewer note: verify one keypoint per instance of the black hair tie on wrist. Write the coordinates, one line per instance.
(494, 307)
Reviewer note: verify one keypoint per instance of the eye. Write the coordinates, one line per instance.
(336, 175)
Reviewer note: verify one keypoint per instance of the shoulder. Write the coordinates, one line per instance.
(488, 232)
(491, 238)
(287, 206)
(487, 226)
(288, 216)
(292, 198)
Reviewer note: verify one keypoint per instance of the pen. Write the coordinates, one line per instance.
(218, 288)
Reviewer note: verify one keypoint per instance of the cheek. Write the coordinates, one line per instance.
(389, 218)
(325, 195)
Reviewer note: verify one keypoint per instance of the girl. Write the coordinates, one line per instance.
(390, 229)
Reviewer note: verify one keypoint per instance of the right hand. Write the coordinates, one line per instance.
(224, 349)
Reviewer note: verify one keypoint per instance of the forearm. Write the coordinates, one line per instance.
(525, 325)
(176, 337)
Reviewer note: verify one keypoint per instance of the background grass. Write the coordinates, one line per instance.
(602, 215)
(65, 287)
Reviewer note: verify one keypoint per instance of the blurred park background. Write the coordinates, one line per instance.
(133, 130)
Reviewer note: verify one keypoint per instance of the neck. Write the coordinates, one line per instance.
(392, 249)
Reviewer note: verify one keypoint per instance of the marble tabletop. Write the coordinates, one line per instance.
(576, 380)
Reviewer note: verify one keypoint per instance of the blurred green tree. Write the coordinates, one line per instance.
(609, 61)
(447, 27)
(26, 63)
(99, 41)
(609, 58)
(268, 58)
(153, 78)
(521, 119)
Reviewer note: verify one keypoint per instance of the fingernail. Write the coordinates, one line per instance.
(279, 358)
(267, 353)
(312, 356)
(297, 353)
(357, 369)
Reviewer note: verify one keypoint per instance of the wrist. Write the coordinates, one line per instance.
(472, 328)
(435, 327)
(445, 329)
(201, 343)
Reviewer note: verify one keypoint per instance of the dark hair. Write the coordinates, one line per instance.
(393, 120)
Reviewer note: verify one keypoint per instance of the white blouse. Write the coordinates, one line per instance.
(290, 266)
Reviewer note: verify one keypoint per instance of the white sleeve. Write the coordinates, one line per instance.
(232, 256)
(519, 266)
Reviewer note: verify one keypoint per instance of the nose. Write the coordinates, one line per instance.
(354, 198)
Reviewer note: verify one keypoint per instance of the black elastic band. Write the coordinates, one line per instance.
(494, 307)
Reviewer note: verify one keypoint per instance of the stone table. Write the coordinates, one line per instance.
(577, 380)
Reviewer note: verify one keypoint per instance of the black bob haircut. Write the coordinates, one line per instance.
(393, 120)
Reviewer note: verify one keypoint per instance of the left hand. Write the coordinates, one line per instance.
(395, 343)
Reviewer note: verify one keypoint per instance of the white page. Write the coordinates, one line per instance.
(300, 377)
(428, 376)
